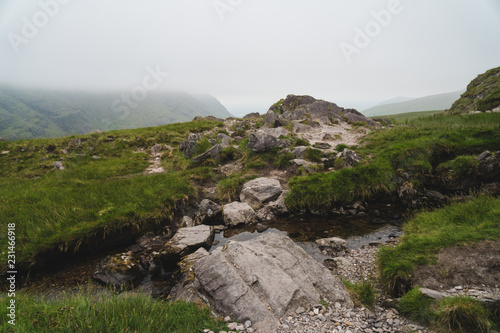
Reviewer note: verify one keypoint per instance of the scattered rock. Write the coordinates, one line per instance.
(185, 241)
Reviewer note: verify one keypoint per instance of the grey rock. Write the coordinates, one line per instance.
(225, 140)
(431, 293)
(237, 213)
(260, 141)
(260, 228)
(187, 240)
(186, 222)
(260, 191)
(58, 165)
(270, 118)
(262, 280)
(353, 117)
(188, 146)
(156, 149)
(209, 212)
(489, 166)
(213, 153)
(299, 151)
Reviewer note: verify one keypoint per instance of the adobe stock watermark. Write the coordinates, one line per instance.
(131, 100)
(30, 27)
(364, 36)
(223, 6)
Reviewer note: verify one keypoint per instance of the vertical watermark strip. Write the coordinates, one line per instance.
(11, 273)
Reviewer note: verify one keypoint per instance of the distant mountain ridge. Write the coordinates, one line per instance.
(29, 114)
(427, 103)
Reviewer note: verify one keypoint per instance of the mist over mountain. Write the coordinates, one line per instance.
(27, 114)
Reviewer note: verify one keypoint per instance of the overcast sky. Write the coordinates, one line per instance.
(252, 52)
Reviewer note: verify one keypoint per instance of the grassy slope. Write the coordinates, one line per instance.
(429, 232)
(401, 118)
(53, 208)
(418, 148)
(85, 312)
(483, 93)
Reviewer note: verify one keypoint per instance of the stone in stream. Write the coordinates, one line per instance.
(333, 246)
(119, 270)
(185, 241)
(260, 280)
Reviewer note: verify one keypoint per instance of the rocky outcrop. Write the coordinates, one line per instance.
(209, 212)
(188, 147)
(350, 157)
(237, 213)
(489, 166)
(261, 280)
(260, 141)
(260, 191)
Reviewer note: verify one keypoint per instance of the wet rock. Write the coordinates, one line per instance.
(120, 270)
(333, 245)
(260, 228)
(237, 213)
(260, 191)
(489, 166)
(188, 147)
(261, 280)
(213, 153)
(209, 212)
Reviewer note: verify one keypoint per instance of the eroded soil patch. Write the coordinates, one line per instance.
(473, 265)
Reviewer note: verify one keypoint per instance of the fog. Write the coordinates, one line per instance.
(251, 53)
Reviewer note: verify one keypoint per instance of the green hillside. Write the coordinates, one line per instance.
(29, 114)
(482, 94)
(427, 103)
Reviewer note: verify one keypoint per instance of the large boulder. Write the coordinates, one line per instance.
(357, 117)
(260, 191)
(260, 141)
(261, 280)
(188, 146)
(489, 165)
(237, 213)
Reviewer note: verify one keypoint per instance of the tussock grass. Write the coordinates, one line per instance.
(362, 293)
(463, 314)
(429, 232)
(86, 312)
(417, 306)
(110, 193)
